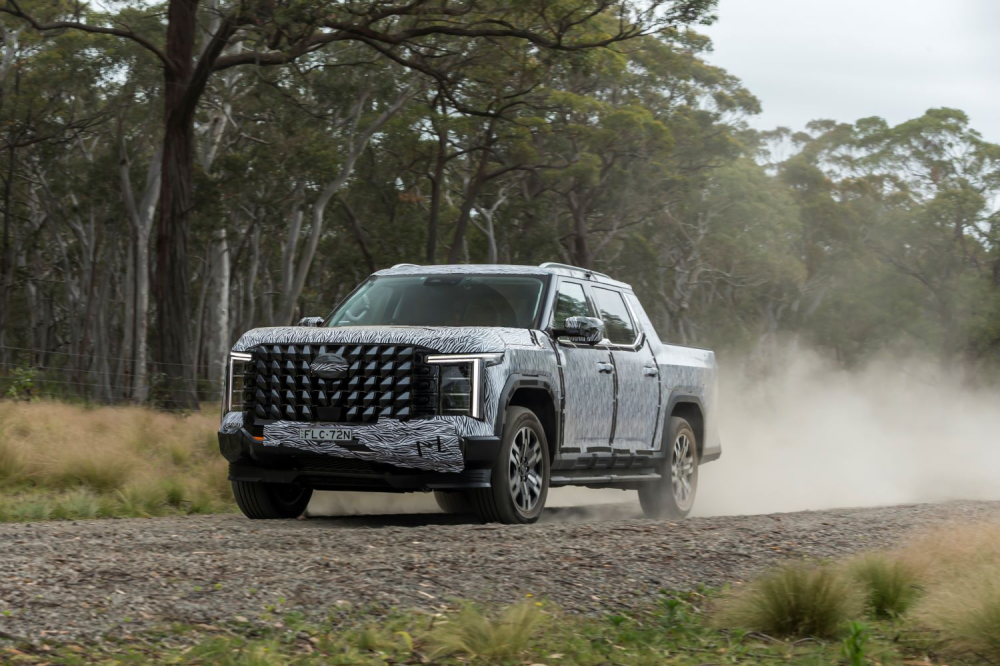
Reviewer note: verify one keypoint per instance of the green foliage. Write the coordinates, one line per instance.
(796, 600)
(854, 645)
(889, 585)
(22, 383)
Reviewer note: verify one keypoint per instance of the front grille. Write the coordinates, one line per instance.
(391, 381)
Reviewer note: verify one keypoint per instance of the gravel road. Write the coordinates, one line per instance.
(90, 578)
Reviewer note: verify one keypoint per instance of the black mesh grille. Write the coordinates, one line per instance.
(391, 381)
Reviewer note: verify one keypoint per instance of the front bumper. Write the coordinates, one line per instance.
(251, 460)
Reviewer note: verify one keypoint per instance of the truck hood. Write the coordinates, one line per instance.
(442, 339)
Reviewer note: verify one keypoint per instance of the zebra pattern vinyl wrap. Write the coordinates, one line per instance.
(427, 444)
(430, 444)
(231, 423)
(442, 339)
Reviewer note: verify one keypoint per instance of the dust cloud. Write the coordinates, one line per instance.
(813, 436)
(808, 436)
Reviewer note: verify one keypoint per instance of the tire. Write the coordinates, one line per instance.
(271, 500)
(453, 501)
(520, 476)
(672, 496)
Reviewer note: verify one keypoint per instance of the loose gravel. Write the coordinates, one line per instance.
(83, 580)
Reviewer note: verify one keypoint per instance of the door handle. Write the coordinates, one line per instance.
(650, 371)
(605, 367)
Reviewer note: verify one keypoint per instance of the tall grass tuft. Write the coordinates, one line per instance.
(966, 610)
(796, 600)
(471, 633)
(890, 586)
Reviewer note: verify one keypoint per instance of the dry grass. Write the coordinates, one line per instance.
(84, 462)
(472, 634)
(960, 567)
(796, 600)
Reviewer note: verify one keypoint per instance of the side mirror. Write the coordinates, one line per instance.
(310, 321)
(588, 330)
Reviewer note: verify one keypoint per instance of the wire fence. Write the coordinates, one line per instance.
(28, 373)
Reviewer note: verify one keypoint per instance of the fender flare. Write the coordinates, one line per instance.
(678, 399)
(515, 382)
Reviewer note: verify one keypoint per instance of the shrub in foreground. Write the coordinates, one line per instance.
(796, 600)
(472, 633)
(966, 611)
(889, 586)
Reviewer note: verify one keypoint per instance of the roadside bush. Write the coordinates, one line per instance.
(471, 633)
(796, 600)
(889, 586)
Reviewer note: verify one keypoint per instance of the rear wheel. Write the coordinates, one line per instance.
(519, 482)
(672, 496)
(453, 501)
(271, 500)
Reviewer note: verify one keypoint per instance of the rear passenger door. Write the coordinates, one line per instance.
(587, 379)
(637, 377)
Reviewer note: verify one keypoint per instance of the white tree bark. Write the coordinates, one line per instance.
(140, 217)
(292, 286)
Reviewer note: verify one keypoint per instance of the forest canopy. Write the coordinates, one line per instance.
(165, 190)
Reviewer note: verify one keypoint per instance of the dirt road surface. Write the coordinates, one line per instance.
(91, 578)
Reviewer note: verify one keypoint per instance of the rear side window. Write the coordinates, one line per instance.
(571, 301)
(618, 325)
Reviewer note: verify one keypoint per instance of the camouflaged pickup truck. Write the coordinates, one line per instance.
(487, 385)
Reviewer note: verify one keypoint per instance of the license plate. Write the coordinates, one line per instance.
(327, 434)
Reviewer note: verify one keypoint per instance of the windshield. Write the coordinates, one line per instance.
(453, 300)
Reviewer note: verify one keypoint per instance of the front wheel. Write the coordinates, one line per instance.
(271, 500)
(519, 482)
(672, 496)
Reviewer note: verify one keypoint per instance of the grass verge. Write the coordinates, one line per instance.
(73, 462)
(676, 630)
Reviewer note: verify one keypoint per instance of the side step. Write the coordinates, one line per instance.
(581, 480)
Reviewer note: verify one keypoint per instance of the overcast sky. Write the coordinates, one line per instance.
(850, 59)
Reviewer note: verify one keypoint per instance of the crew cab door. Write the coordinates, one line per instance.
(638, 382)
(587, 376)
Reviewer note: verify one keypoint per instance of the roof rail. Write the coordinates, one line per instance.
(587, 271)
(405, 265)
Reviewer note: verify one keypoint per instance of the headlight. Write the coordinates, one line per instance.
(461, 381)
(232, 398)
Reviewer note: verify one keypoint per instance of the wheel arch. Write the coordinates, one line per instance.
(689, 408)
(538, 395)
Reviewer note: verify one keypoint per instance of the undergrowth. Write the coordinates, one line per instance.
(61, 461)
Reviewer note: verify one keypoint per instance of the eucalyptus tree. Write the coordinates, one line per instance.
(281, 33)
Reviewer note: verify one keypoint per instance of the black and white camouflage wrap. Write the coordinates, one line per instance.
(442, 339)
(232, 422)
(427, 444)
(434, 444)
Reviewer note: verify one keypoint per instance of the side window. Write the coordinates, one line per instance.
(571, 301)
(618, 325)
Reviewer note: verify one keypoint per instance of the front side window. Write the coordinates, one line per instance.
(446, 300)
(571, 301)
(618, 326)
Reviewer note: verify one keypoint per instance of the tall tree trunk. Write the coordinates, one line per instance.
(437, 194)
(172, 308)
(218, 349)
(472, 189)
